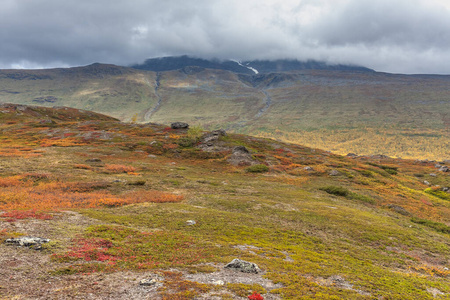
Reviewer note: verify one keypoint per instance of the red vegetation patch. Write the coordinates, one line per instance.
(25, 214)
(111, 248)
(255, 296)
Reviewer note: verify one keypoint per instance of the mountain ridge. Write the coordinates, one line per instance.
(251, 67)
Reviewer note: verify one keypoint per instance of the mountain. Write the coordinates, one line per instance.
(246, 67)
(94, 208)
(342, 111)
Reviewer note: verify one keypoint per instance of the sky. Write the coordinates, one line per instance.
(395, 36)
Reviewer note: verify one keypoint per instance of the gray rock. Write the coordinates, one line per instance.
(243, 266)
(433, 175)
(437, 166)
(179, 125)
(399, 209)
(308, 168)
(426, 182)
(352, 155)
(27, 241)
(190, 222)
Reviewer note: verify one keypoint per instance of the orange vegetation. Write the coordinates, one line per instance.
(17, 193)
(120, 169)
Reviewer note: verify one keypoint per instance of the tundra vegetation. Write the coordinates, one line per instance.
(114, 200)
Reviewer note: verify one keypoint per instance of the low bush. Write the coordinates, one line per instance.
(257, 169)
(440, 227)
(336, 190)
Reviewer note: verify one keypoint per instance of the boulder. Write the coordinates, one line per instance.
(243, 266)
(334, 173)
(179, 125)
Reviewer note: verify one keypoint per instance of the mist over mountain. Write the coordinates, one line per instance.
(245, 67)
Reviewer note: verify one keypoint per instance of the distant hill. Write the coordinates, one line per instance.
(247, 67)
(343, 111)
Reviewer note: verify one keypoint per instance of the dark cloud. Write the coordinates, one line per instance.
(394, 36)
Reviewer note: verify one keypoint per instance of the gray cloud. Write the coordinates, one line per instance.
(388, 35)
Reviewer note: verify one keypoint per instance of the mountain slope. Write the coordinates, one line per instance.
(341, 111)
(130, 203)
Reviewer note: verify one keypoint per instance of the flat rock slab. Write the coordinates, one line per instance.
(27, 241)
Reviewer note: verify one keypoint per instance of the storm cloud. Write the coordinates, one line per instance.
(400, 36)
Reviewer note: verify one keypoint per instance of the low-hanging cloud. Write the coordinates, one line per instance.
(387, 35)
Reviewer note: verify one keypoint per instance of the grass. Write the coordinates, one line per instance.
(302, 227)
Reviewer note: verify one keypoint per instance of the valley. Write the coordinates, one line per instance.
(343, 111)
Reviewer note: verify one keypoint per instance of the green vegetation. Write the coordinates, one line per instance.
(260, 168)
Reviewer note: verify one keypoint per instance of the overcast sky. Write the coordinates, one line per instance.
(397, 36)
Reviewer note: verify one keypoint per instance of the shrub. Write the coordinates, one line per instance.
(440, 227)
(336, 190)
(195, 132)
(438, 193)
(257, 168)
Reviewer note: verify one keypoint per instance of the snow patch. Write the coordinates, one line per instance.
(248, 67)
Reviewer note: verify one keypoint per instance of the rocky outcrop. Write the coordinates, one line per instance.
(243, 266)
(240, 156)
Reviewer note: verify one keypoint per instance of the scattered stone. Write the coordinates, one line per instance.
(334, 173)
(433, 175)
(444, 169)
(426, 182)
(179, 125)
(352, 155)
(152, 156)
(28, 241)
(308, 168)
(437, 166)
(243, 266)
(190, 222)
(154, 280)
(93, 160)
(446, 189)
(218, 282)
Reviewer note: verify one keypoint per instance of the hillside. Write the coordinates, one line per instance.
(338, 110)
(144, 211)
